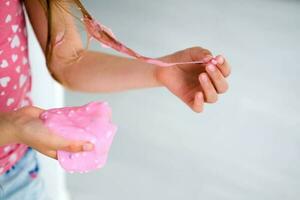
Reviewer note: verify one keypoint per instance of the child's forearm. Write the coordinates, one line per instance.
(6, 130)
(100, 72)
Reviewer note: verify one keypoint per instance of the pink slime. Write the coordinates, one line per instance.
(105, 36)
(91, 122)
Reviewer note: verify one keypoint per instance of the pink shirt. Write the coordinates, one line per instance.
(15, 79)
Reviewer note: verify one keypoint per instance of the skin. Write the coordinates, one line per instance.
(194, 84)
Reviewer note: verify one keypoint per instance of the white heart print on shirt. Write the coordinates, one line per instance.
(18, 69)
(8, 19)
(4, 81)
(15, 28)
(24, 61)
(7, 149)
(22, 80)
(10, 101)
(14, 57)
(4, 64)
(15, 42)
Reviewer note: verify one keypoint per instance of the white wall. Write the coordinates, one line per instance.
(245, 147)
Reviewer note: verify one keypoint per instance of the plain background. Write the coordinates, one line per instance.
(245, 147)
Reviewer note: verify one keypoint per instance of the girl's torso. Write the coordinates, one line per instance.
(15, 79)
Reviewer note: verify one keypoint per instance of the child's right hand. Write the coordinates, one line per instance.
(24, 126)
(195, 84)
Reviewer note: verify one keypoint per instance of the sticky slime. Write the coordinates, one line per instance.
(91, 122)
(106, 37)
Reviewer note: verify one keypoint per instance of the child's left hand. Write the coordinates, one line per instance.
(195, 84)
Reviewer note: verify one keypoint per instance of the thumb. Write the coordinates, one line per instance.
(31, 111)
(187, 55)
(56, 142)
(198, 53)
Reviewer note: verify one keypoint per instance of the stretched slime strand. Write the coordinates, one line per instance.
(106, 37)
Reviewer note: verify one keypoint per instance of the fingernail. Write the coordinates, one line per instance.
(204, 77)
(220, 60)
(213, 61)
(211, 68)
(200, 96)
(88, 147)
(207, 58)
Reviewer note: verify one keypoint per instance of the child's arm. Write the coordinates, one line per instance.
(100, 72)
(94, 71)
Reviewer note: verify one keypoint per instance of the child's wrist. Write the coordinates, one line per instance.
(154, 75)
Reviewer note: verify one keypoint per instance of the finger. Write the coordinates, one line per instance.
(198, 102)
(39, 136)
(198, 53)
(217, 78)
(223, 65)
(78, 146)
(49, 153)
(56, 142)
(210, 93)
(31, 110)
(52, 154)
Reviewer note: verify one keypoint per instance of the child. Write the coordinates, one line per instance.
(79, 69)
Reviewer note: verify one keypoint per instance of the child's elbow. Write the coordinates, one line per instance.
(61, 66)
